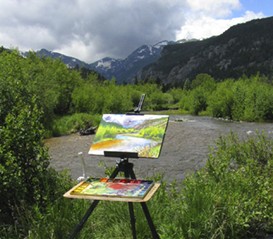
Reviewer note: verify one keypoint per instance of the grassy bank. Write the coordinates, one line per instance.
(231, 197)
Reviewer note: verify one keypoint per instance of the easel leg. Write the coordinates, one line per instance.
(79, 227)
(133, 219)
(84, 219)
(150, 221)
(128, 172)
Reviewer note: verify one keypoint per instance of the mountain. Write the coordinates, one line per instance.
(69, 61)
(244, 49)
(124, 70)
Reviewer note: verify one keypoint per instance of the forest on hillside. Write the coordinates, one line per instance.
(79, 97)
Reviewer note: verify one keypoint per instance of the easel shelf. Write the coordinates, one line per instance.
(111, 198)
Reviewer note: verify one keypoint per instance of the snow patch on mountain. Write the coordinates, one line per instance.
(123, 70)
(104, 64)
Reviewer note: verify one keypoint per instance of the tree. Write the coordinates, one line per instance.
(204, 80)
(239, 95)
(199, 102)
(202, 87)
(259, 101)
(220, 102)
(23, 160)
(12, 82)
(53, 83)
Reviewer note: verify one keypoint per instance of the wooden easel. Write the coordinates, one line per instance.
(124, 166)
(127, 168)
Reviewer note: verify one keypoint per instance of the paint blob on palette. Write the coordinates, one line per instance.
(127, 188)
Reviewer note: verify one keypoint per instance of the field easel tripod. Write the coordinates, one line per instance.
(123, 165)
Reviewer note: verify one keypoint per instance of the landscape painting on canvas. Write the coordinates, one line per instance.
(143, 134)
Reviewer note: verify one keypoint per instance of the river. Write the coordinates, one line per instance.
(184, 150)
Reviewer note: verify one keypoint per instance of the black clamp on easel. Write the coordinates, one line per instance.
(122, 165)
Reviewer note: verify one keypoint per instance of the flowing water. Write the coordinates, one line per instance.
(184, 150)
(124, 143)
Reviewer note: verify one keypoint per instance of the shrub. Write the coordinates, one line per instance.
(73, 123)
(23, 160)
(232, 196)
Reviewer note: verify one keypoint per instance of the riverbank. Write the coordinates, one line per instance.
(184, 151)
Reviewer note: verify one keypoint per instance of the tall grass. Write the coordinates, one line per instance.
(231, 197)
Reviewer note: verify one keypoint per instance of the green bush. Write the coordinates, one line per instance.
(55, 213)
(101, 98)
(73, 123)
(220, 102)
(232, 196)
(23, 160)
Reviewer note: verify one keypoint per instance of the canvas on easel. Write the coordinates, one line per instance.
(142, 134)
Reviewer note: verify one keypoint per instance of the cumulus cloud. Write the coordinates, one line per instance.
(212, 19)
(91, 29)
(205, 26)
(215, 8)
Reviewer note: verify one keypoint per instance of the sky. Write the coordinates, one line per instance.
(90, 29)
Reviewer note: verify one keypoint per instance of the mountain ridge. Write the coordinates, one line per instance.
(244, 49)
(123, 70)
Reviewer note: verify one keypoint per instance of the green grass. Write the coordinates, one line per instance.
(231, 197)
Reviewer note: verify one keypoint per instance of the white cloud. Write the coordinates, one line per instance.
(78, 49)
(95, 28)
(215, 8)
(92, 29)
(212, 19)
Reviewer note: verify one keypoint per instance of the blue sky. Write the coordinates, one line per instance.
(90, 29)
(212, 17)
(264, 6)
